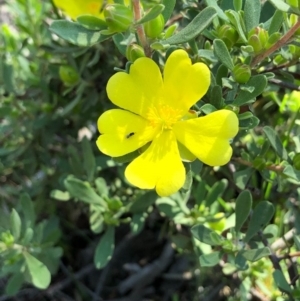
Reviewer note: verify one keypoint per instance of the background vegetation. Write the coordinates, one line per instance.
(71, 226)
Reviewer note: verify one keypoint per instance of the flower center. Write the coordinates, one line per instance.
(94, 7)
(164, 116)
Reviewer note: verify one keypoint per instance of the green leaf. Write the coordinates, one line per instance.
(297, 241)
(169, 207)
(15, 224)
(236, 21)
(39, 274)
(280, 5)
(248, 121)
(292, 173)
(119, 42)
(91, 22)
(242, 208)
(259, 82)
(261, 216)
(74, 161)
(207, 54)
(222, 72)
(281, 282)
(28, 235)
(143, 202)
(255, 254)
(8, 77)
(203, 234)
(138, 222)
(215, 192)
(194, 28)
(276, 22)
(252, 10)
(275, 142)
(211, 259)
(188, 180)
(96, 219)
(214, 4)
(151, 14)
(242, 177)
(83, 191)
(240, 262)
(208, 108)
(60, 195)
(89, 163)
(76, 34)
(101, 187)
(216, 97)
(222, 53)
(237, 4)
(169, 8)
(105, 248)
(28, 210)
(14, 284)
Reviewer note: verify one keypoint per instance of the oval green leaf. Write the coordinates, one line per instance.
(76, 34)
(105, 248)
(194, 28)
(40, 276)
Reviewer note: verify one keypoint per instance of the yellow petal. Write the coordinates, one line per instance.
(208, 137)
(122, 132)
(185, 83)
(138, 90)
(75, 8)
(159, 167)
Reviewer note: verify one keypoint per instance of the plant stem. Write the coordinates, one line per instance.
(139, 28)
(272, 167)
(281, 42)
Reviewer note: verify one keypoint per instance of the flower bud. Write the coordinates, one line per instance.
(241, 73)
(68, 75)
(118, 17)
(219, 224)
(154, 27)
(258, 38)
(228, 34)
(134, 52)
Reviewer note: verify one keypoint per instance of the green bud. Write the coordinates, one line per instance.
(114, 204)
(118, 17)
(241, 73)
(258, 38)
(207, 45)
(68, 75)
(228, 34)
(154, 28)
(296, 161)
(134, 51)
(109, 220)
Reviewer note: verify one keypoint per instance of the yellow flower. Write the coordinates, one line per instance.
(76, 8)
(156, 109)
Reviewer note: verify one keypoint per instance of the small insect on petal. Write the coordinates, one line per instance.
(129, 135)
